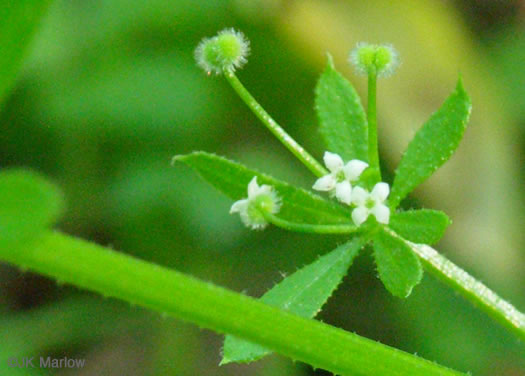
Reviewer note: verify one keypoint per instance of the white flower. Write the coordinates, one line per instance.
(260, 198)
(341, 176)
(371, 203)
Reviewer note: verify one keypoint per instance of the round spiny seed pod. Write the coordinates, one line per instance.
(381, 60)
(224, 52)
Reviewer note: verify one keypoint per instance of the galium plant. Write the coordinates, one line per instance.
(353, 200)
(367, 208)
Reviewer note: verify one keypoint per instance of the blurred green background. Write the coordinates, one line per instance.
(109, 92)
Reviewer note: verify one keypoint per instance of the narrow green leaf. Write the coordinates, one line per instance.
(231, 178)
(28, 204)
(420, 226)
(341, 115)
(398, 266)
(18, 21)
(432, 145)
(302, 293)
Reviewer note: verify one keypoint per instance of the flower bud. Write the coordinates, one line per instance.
(223, 53)
(381, 60)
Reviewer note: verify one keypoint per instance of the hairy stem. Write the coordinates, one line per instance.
(296, 149)
(373, 153)
(114, 274)
(471, 289)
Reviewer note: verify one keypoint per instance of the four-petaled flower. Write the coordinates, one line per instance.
(263, 199)
(260, 199)
(341, 176)
(371, 203)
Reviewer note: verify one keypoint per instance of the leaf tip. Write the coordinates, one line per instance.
(184, 157)
(404, 294)
(407, 293)
(176, 158)
(329, 61)
(225, 361)
(459, 85)
(460, 88)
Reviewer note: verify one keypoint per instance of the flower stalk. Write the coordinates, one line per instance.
(309, 228)
(310, 162)
(373, 150)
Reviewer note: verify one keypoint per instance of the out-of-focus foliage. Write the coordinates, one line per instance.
(28, 205)
(19, 20)
(111, 92)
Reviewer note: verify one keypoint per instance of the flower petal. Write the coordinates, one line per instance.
(359, 215)
(380, 192)
(332, 161)
(239, 206)
(343, 192)
(253, 188)
(359, 196)
(276, 202)
(325, 183)
(382, 213)
(354, 168)
(264, 190)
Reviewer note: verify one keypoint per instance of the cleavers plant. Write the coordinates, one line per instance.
(370, 210)
(359, 204)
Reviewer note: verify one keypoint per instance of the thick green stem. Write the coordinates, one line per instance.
(114, 274)
(297, 150)
(471, 289)
(373, 152)
(310, 228)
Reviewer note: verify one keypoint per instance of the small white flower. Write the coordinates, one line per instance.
(341, 176)
(371, 203)
(260, 198)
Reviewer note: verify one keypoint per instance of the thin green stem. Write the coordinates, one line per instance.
(115, 274)
(296, 149)
(471, 289)
(311, 228)
(373, 152)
